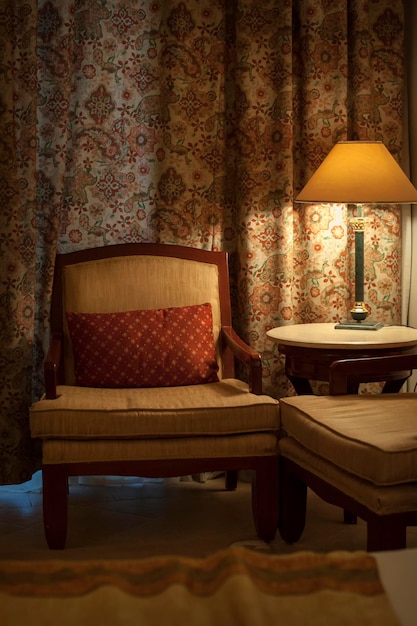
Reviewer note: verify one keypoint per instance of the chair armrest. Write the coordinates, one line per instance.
(341, 372)
(244, 353)
(51, 366)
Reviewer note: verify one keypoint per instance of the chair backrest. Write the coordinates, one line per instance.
(128, 277)
(342, 372)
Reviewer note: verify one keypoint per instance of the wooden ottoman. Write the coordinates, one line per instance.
(357, 452)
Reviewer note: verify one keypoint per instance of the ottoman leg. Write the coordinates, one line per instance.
(265, 498)
(387, 532)
(349, 517)
(293, 503)
(231, 480)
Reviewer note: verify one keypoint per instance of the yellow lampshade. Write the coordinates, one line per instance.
(359, 172)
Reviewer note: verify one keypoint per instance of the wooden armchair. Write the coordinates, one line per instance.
(358, 452)
(140, 378)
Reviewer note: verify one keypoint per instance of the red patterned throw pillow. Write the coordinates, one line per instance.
(147, 348)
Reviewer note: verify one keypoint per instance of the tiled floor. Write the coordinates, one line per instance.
(162, 517)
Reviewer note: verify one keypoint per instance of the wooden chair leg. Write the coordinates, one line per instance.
(292, 504)
(387, 532)
(265, 498)
(55, 487)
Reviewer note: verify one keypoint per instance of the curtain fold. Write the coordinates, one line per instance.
(18, 233)
(410, 226)
(194, 123)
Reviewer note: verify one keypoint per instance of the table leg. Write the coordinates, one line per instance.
(302, 386)
(394, 386)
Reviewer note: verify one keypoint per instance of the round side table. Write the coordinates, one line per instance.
(309, 350)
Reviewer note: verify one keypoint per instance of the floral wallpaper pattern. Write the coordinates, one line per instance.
(192, 122)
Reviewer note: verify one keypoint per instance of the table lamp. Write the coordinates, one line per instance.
(359, 172)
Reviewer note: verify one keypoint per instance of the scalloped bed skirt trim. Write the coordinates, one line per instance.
(235, 586)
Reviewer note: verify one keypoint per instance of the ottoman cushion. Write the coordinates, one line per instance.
(373, 437)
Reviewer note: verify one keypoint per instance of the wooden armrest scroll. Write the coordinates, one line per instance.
(340, 372)
(244, 353)
(51, 366)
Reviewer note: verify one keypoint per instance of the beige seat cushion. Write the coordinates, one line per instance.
(382, 499)
(373, 437)
(58, 451)
(223, 408)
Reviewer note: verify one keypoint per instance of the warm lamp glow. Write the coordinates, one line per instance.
(359, 172)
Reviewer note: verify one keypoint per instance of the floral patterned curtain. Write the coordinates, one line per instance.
(195, 123)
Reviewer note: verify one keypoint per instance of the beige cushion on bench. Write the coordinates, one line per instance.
(372, 437)
(222, 408)
(383, 500)
(85, 423)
